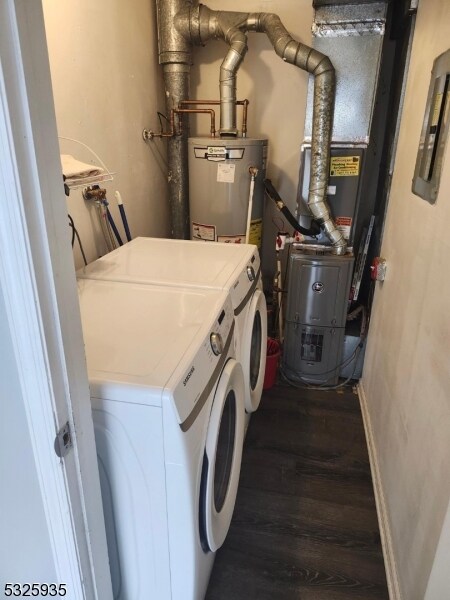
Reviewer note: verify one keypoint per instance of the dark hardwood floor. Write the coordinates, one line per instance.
(305, 524)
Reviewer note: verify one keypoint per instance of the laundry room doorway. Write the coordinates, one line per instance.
(43, 340)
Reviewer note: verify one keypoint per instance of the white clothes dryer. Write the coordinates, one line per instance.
(168, 407)
(235, 268)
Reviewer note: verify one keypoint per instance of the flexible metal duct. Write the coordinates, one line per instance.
(320, 66)
(198, 24)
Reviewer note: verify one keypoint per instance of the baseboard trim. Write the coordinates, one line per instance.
(383, 517)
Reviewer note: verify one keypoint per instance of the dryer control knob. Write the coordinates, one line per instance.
(216, 343)
(251, 273)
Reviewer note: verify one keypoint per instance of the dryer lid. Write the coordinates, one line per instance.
(173, 262)
(137, 336)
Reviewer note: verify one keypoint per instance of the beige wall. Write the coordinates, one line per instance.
(107, 88)
(407, 370)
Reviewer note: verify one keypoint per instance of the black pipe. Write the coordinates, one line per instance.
(314, 228)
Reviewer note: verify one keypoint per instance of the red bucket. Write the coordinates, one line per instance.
(272, 358)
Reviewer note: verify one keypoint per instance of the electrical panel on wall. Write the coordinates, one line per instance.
(434, 135)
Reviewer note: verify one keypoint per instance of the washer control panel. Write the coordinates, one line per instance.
(246, 279)
(251, 273)
(216, 343)
(197, 376)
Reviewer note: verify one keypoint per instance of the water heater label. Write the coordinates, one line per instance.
(344, 166)
(216, 151)
(226, 172)
(206, 233)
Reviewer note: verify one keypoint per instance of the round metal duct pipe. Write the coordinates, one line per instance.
(196, 24)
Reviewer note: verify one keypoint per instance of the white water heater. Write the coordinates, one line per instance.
(219, 188)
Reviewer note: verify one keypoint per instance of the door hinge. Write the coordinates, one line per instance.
(63, 441)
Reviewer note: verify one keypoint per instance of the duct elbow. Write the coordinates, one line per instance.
(237, 41)
(338, 243)
(340, 250)
(324, 66)
(319, 64)
(321, 213)
(197, 24)
(271, 25)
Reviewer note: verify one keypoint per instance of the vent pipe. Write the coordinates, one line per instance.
(175, 55)
(320, 67)
(197, 24)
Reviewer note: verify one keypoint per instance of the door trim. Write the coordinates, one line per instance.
(38, 283)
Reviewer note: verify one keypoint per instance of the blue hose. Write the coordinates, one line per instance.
(113, 227)
(125, 222)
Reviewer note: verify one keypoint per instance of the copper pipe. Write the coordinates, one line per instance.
(200, 111)
(243, 103)
(149, 135)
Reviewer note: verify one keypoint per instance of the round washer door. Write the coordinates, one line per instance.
(224, 443)
(254, 350)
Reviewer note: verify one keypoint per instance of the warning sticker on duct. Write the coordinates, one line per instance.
(344, 224)
(226, 172)
(231, 239)
(206, 233)
(255, 232)
(344, 166)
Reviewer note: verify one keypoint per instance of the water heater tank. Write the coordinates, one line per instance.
(219, 187)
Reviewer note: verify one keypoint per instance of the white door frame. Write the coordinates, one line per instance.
(37, 280)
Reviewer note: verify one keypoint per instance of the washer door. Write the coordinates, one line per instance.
(254, 350)
(223, 454)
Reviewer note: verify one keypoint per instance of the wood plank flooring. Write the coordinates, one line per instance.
(305, 524)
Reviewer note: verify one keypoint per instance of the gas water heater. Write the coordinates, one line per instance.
(220, 188)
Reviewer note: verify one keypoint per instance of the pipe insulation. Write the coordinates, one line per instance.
(197, 24)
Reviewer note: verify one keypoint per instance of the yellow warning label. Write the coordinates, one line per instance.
(255, 232)
(344, 166)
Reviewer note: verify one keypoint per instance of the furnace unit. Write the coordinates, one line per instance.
(316, 313)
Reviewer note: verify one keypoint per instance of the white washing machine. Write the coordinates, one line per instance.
(235, 268)
(168, 408)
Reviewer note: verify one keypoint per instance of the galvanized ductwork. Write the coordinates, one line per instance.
(320, 67)
(197, 24)
(175, 54)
